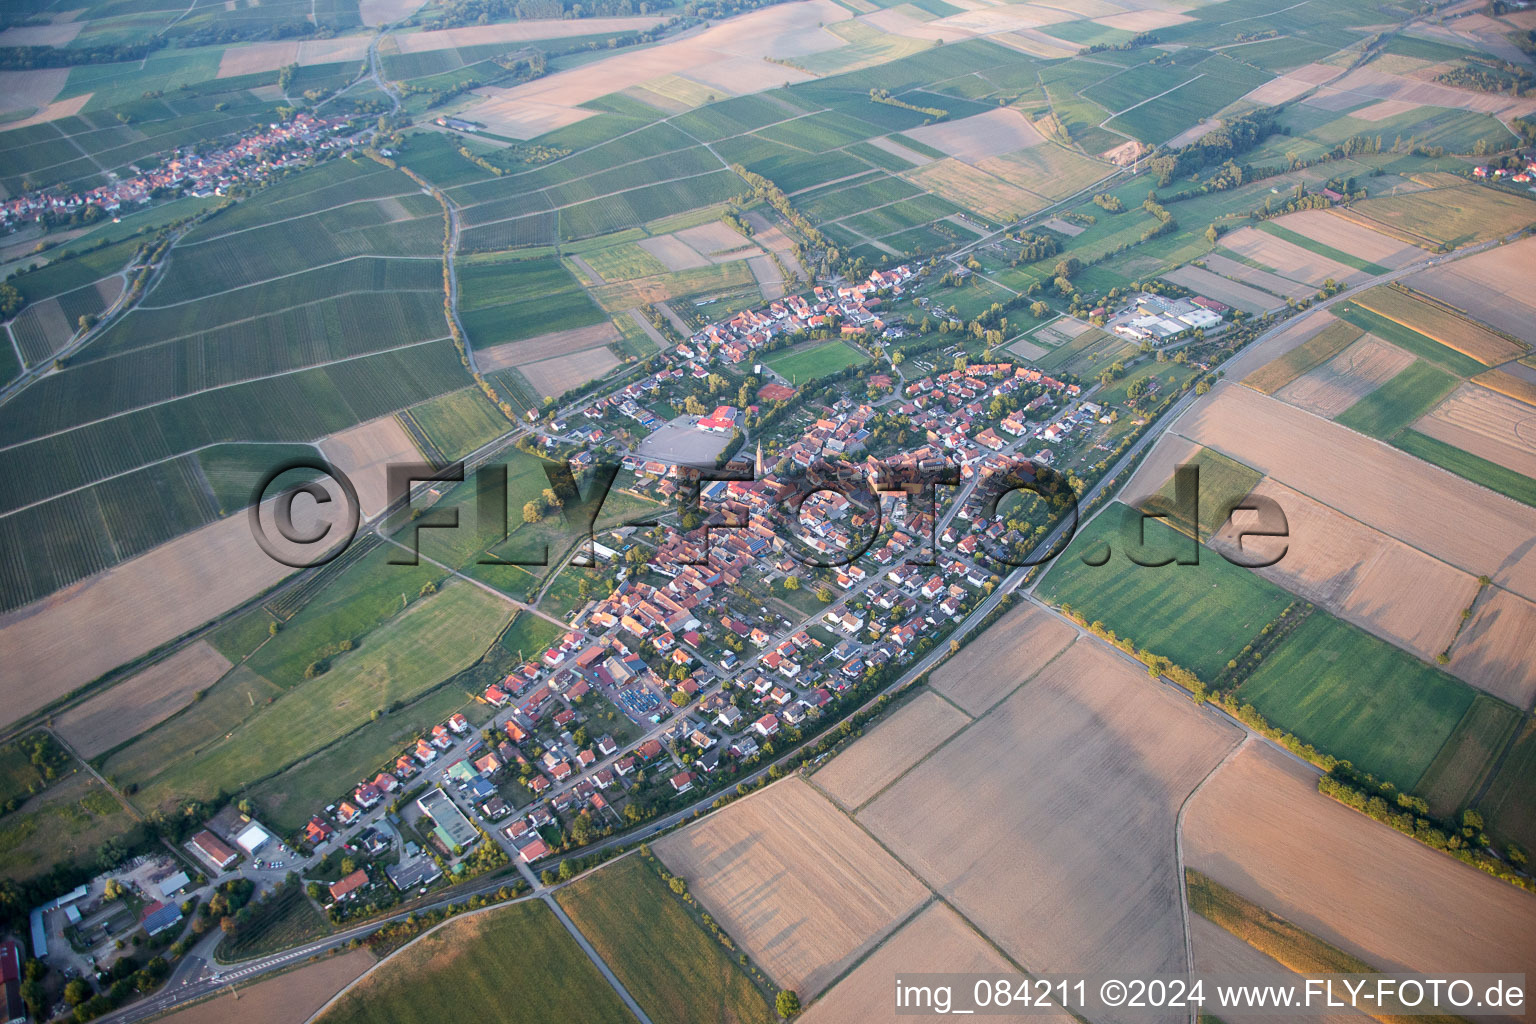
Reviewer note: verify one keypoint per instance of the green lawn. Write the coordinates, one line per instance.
(1415, 390)
(1465, 760)
(437, 637)
(1464, 464)
(1357, 697)
(529, 635)
(1200, 616)
(512, 965)
(676, 970)
(800, 365)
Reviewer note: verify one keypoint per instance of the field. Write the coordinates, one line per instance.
(675, 969)
(1087, 353)
(506, 299)
(1488, 652)
(1409, 340)
(1006, 823)
(1411, 393)
(938, 940)
(69, 821)
(1358, 573)
(288, 998)
(836, 892)
(1203, 282)
(1222, 483)
(1335, 256)
(1359, 698)
(456, 424)
(1432, 321)
(1493, 283)
(554, 377)
(1171, 609)
(1421, 505)
(801, 365)
(1345, 379)
(1487, 425)
(465, 963)
(144, 699)
(280, 920)
(1455, 774)
(1449, 217)
(365, 453)
(431, 641)
(992, 665)
(1260, 828)
(1288, 259)
(890, 749)
(1326, 228)
(1470, 467)
(1507, 806)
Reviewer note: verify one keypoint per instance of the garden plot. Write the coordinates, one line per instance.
(894, 745)
(1358, 573)
(365, 453)
(144, 699)
(1493, 650)
(1009, 821)
(546, 346)
(936, 940)
(1260, 828)
(979, 136)
(1367, 480)
(1487, 424)
(1347, 377)
(1347, 236)
(1495, 283)
(1289, 260)
(994, 664)
(1203, 282)
(802, 889)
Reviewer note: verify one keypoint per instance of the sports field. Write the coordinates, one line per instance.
(675, 969)
(1358, 698)
(1198, 616)
(800, 365)
(466, 963)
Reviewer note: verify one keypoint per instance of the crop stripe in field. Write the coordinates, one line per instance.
(298, 216)
(220, 387)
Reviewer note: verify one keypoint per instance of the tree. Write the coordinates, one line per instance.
(551, 499)
(787, 1003)
(791, 582)
(531, 512)
(1039, 309)
(77, 991)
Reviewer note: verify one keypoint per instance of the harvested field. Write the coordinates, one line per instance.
(1143, 20)
(1347, 236)
(513, 32)
(1493, 652)
(255, 58)
(1262, 279)
(1007, 821)
(799, 886)
(896, 149)
(554, 377)
(30, 90)
(1346, 378)
(979, 136)
(1380, 584)
(365, 452)
(769, 281)
(882, 755)
(523, 119)
(714, 239)
(142, 700)
(1487, 424)
(1062, 227)
(976, 190)
(547, 346)
(1522, 388)
(1495, 283)
(1274, 350)
(289, 998)
(937, 940)
(1424, 506)
(385, 12)
(56, 33)
(1219, 952)
(133, 608)
(994, 664)
(1454, 217)
(1260, 828)
(730, 52)
(1289, 260)
(1277, 90)
(1384, 110)
(673, 252)
(1203, 282)
(1453, 331)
